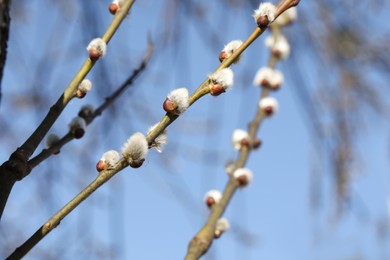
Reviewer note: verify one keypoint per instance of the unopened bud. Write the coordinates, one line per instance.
(113, 8)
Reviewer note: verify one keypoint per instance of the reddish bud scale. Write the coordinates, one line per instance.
(245, 142)
(263, 21)
(210, 201)
(242, 180)
(264, 83)
(277, 54)
(80, 94)
(169, 106)
(217, 234)
(222, 56)
(216, 89)
(256, 143)
(268, 110)
(101, 166)
(94, 54)
(113, 8)
(137, 164)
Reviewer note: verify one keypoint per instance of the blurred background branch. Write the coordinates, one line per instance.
(5, 21)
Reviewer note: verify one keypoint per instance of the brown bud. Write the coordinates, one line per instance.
(210, 201)
(80, 94)
(268, 110)
(242, 180)
(94, 54)
(78, 133)
(113, 8)
(222, 56)
(245, 142)
(277, 54)
(216, 89)
(169, 106)
(217, 234)
(264, 83)
(137, 164)
(101, 166)
(263, 21)
(256, 143)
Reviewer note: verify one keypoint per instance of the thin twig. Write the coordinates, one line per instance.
(16, 168)
(105, 175)
(46, 153)
(55, 220)
(203, 88)
(202, 241)
(5, 21)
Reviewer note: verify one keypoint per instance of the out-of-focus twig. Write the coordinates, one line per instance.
(5, 21)
(202, 241)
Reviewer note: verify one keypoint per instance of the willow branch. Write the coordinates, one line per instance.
(55, 220)
(104, 176)
(35, 139)
(46, 153)
(202, 241)
(203, 88)
(16, 168)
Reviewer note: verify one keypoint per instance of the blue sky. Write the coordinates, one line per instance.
(153, 212)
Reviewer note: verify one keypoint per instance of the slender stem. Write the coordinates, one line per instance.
(203, 88)
(5, 6)
(16, 168)
(55, 220)
(204, 238)
(36, 138)
(104, 176)
(46, 153)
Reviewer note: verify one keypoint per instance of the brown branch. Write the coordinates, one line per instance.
(5, 21)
